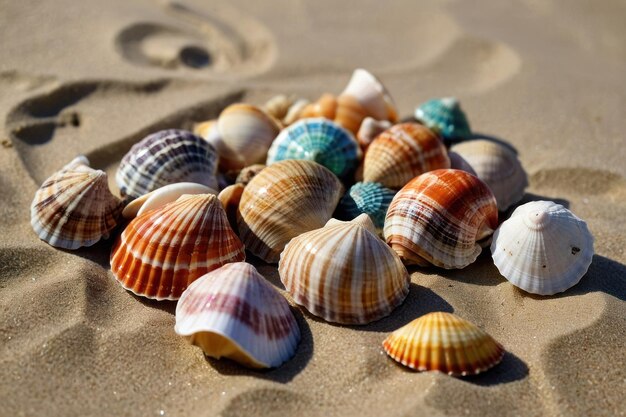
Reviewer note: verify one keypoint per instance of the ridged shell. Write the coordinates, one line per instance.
(498, 167)
(163, 251)
(285, 200)
(166, 157)
(344, 273)
(403, 152)
(543, 248)
(439, 217)
(446, 343)
(162, 196)
(318, 140)
(370, 198)
(370, 128)
(445, 117)
(74, 207)
(234, 312)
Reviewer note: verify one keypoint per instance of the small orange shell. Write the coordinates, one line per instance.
(230, 198)
(446, 343)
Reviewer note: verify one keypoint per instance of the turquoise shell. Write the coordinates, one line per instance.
(318, 140)
(371, 198)
(444, 115)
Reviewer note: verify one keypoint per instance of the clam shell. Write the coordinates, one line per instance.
(230, 198)
(249, 172)
(344, 273)
(401, 153)
(285, 200)
(446, 343)
(543, 248)
(371, 94)
(458, 162)
(161, 196)
(370, 198)
(74, 207)
(166, 157)
(234, 312)
(498, 167)
(318, 140)
(440, 217)
(444, 115)
(370, 128)
(164, 250)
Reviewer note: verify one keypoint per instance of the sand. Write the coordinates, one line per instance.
(95, 77)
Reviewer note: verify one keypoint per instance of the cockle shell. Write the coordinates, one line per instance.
(498, 167)
(403, 152)
(370, 198)
(166, 157)
(543, 248)
(162, 196)
(318, 140)
(164, 250)
(440, 218)
(285, 200)
(445, 117)
(344, 273)
(74, 207)
(370, 128)
(234, 312)
(446, 343)
(249, 172)
(230, 198)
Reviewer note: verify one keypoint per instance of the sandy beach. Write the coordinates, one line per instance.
(94, 78)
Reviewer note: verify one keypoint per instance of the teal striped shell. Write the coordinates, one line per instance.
(444, 116)
(371, 198)
(318, 140)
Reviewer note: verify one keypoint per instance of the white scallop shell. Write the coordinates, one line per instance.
(371, 94)
(543, 248)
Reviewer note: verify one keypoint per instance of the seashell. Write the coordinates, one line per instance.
(370, 128)
(371, 198)
(284, 108)
(234, 312)
(294, 111)
(440, 218)
(403, 152)
(318, 140)
(164, 250)
(230, 198)
(372, 95)
(74, 207)
(344, 273)
(446, 343)
(444, 116)
(166, 157)
(543, 248)
(285, 200)
(458, 162)
(162, 196)
(249, 172)
(206, 129)
(498, 167)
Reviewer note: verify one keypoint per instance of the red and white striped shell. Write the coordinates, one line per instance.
(440, 217)
(164, 250)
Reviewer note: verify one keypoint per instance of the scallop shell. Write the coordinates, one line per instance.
(344, 273)
(318, 140)
(543, 248)
(164, 250)
(446, 343)
(498, 167)
(166, 157)
(285, 200)
(249, 172)
(234, 312)
(440, 218)
(401, 153)
(370, 128)
(230, 198)
(370, 198)
(161, 196)
(74, 207)
(444, 115)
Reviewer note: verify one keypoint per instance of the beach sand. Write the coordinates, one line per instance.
(95, 77)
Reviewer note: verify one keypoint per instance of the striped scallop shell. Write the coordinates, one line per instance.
(166, 157)
(318, 140)
(440, 218)
(344, 273)
(401, 153)
(444, 116)
(74, 207)
(370, 198)
(498, 167)
(543, 248)
(234, 312)
(285, 200)
(164, 250)
(446, 343)
(162, 196)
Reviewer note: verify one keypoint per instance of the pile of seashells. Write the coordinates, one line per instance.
(314, 187)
